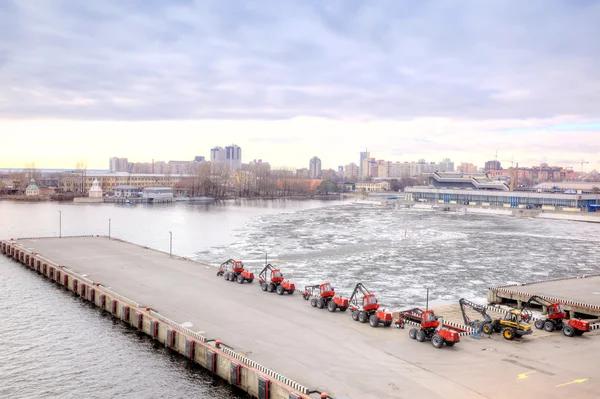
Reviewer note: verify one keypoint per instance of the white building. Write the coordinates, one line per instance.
(126, 191)
(95, 191)
(158, 194)
(314, 170)
(32, 189)
(350, 170)
(118, 164)
(372, 186)
(228, 158)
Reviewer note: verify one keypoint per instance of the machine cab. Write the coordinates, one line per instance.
(370, 302)
(238, 266)
(556, 311)
(276, 276)
(428, 319)
(327, 290)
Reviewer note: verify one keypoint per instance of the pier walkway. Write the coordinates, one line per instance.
(324, 350)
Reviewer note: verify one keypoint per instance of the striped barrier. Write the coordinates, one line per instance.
(173, 324)
(449, 324)
(552, 299)
(544, 281)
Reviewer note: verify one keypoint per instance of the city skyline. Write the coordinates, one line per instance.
(85, 81)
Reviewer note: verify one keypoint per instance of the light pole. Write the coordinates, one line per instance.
(59, 224)
(170, 244)
(109, 228)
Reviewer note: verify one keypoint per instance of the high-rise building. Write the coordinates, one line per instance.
(351, 170)
(314, 168)
(233, 156)
(492, 165)
(118, 164)
(446, 166)
(363, 156)
(466, 167)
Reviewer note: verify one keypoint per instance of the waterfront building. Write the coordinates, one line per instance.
(32, 189)
(96, 190)
(363, 157)
(492, 165)
(126, 191)
(71, 182)
(118, 165)
(464, 181)
(158, 194)
(372, 186)
(314, 169)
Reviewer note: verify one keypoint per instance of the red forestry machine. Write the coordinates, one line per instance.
(428, 328)
(233, 270)
(368, 308)
(322, 295)
(554, 319)
(271, 279)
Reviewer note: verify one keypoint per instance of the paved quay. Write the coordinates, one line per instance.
(329, 351)
(584, 290)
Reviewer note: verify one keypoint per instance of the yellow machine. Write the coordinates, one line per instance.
(512, 325)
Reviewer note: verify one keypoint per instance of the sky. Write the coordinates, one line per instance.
(291, 79)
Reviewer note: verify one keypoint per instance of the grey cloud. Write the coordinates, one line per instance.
(214, 59)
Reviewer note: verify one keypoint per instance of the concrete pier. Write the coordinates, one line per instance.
(580, 294)
(258, 340)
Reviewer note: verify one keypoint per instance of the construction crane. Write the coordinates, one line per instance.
(323, 295)
(271, 279)
(554, 318)
(582, 162)
(233, 270)
(367, 308)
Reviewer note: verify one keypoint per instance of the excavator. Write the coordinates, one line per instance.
(367, 308)
(512, 326)
(323, 295)
(554, 319)
(271, 279)
(428, 330)
(233, 270)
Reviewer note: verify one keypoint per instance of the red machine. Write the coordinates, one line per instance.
(368, 308)
(233, 270)
(322, 295)
(428, 330)
(554, 318)
(271, 279)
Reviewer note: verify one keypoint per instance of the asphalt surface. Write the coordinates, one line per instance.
(586, 290)
(331, 351)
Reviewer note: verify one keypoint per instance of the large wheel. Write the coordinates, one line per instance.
(362, 316)
(437, 341)
(487, 329)
(579, 332)
(421, 336)
(320, 303)
(343, 308)
(549, 326)
(313, 302)
(450, 344)
(331, 306)
(374, 320)
(271, 287)
(477, 325)
(387, 323)
(240, 279)
(497, 327)
(226, 276)
(280, 290)
(290, 292)
(568, 331)
(539, 324)
(508, 333)
(250, 280)
(263, 286)
(355, 315)
(412, 333)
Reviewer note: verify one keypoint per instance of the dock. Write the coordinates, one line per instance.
(279, 347)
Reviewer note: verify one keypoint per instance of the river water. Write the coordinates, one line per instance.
(55, 345)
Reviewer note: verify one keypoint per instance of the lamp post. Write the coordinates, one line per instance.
(170, 244)
(59, 224)
(109, 228)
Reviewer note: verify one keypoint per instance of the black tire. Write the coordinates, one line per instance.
(313, 302)
(568, 331)
(508, 333)
(320, 303)
(343, 308)
(387, 323)
(290, 292)
(331, 306)
(497, 327)
(373, 321)
(240, 279)
(539, 324)
(450, 344)
(362, 316)
(250, 280)
(579, 332)
(280, 290)
(263, 286)
(271, 287)
(219, 273)
(421, 336)
(437, 341)
(549, 326)
(355, 315)
(487, 329)
(477, 325)
(226, 276)
(412, 333)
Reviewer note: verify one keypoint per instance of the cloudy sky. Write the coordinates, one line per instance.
(287, 80)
